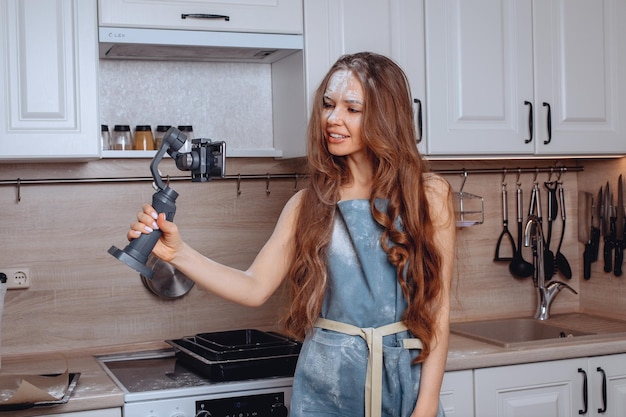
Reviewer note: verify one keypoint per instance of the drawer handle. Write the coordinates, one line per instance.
(603, 409)
(585, 398)
(418, 113)
(204, 16)
(530, 121)
(549, 123)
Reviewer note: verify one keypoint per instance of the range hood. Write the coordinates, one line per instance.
(195, 45)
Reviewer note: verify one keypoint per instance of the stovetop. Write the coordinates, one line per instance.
(158, 374)
(151, 371)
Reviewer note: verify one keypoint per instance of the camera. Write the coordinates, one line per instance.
(206, 160)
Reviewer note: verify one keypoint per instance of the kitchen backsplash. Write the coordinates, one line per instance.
(81, 297)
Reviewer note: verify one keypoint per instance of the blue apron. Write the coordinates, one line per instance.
(349, 364)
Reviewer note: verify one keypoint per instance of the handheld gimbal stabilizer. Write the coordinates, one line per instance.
(206, 160)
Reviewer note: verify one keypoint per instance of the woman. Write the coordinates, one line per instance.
(367, 249)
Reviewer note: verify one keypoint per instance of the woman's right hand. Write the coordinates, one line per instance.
(147, 221)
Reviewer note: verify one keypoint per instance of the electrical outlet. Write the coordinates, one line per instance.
(17, 278)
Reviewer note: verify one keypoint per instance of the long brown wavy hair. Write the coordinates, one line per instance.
(389, 135)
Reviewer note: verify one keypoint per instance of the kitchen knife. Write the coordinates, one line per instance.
(596, 217)
(619, 230)
(607, 229)
(585, 202)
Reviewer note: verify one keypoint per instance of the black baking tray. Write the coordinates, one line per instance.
(73, 380)
(241, 339)
(244, 362)
(241, 344)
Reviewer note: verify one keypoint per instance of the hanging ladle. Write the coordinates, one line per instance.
(553, 210)
(505, 228)
(561, 263)
(519, 267)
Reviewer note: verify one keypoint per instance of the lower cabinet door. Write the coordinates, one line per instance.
(607, 386)
(457, 393)
(549, 389)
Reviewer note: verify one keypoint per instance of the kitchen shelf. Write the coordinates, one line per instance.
(230, 153)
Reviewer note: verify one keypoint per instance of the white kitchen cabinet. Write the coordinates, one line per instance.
(48, 80)
(610, 372)
(457, 394)
(556, 388)
(552, 389)
(107, 412)
(502, 74)
(389, 27)
(263, 16)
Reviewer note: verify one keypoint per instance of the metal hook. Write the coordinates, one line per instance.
(267, 185)
(519, 174)
(535, 177)
(562, 169)
(238, 185)
(295, 183)
(503, 178)
(18, 185)
(464, 179)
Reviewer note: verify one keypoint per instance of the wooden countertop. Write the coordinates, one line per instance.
(95, 389)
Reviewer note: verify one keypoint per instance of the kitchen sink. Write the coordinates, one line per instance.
(515, 332)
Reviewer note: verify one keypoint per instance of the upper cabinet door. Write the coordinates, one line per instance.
(393, 28)
(525, 77)
(48, 80)
(479, 64)
(580, 68)
(264, 16)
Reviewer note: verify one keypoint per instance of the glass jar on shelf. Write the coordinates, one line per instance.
(144, 141)
(122, 138)
(105, 138)
(158, 135)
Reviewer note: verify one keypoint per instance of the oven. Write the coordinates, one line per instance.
(248, 379)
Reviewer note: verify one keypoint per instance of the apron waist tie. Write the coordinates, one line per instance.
(374, 339)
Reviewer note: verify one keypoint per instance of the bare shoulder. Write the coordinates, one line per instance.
(291, 208)
(436, 186)
(438, 193)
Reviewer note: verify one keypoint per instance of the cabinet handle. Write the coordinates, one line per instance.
(585, 392)
(549, 123)
(204, 16)
(419, 119)
(530, 121)
(603, 409)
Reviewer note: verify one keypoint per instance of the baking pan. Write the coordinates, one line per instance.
(241, 344)
(73, 380)
(192, 356)
(240, 339)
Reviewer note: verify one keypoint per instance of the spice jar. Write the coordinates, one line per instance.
(144, 141)
(159, 134)
(105, 137)
(122, 138)
(188, 131)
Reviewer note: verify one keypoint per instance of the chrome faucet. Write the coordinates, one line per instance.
(533, 235)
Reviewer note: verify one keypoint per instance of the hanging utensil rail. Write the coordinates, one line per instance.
(58, 181)
(19, 182)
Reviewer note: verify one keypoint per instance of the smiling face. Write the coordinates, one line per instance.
(342, 114)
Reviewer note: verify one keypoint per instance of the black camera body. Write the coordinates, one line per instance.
(206, 160)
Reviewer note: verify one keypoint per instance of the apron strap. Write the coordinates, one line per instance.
(374, 339)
